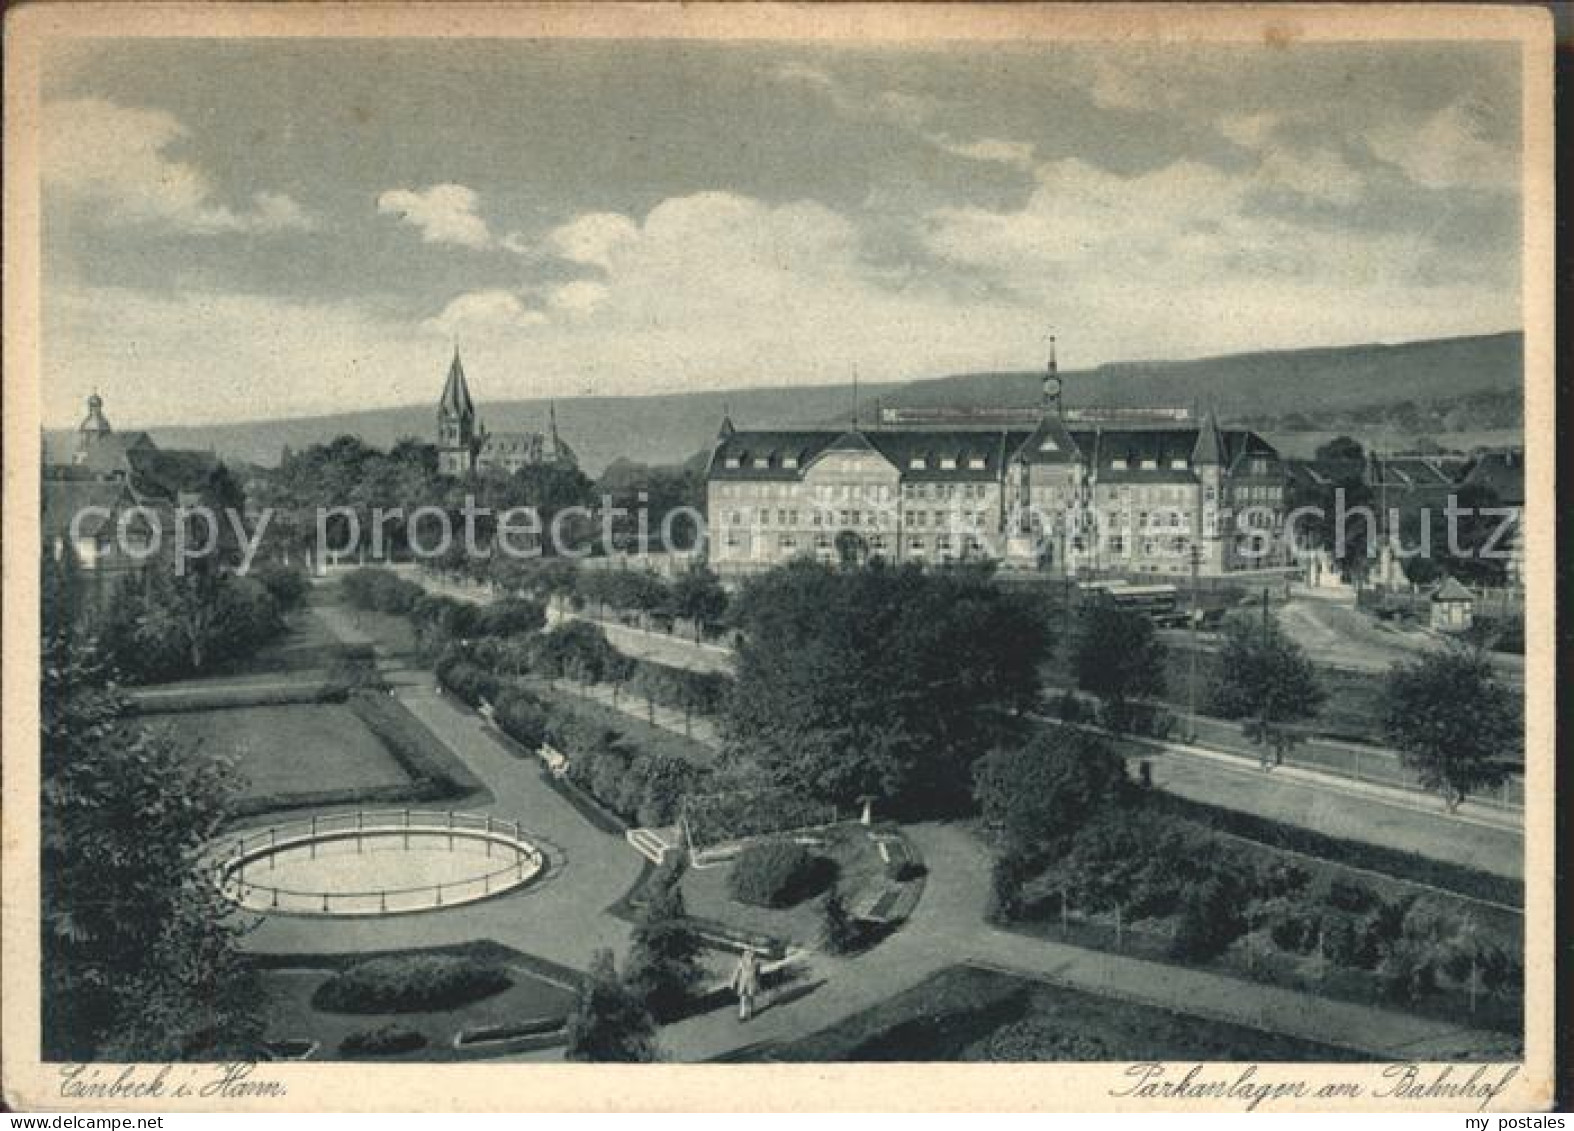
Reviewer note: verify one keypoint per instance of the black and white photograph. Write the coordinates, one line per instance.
(1010, 541)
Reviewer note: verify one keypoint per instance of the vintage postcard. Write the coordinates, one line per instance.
(862, 556)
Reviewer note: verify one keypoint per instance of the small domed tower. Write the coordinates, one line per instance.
(92, 430)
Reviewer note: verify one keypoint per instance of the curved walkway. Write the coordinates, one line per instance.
(560, 917)
(948, 928)
(563, 918)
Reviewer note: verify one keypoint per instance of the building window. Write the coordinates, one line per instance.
(1177, 465)
(1118, 464)
(734, 461)
(1150, 465)
(787, 542)
(976, 463)
(789, 461)
(947, 464)
(916, 463)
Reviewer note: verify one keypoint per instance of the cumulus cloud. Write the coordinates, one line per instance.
(1458, 146)
(116, 158)
(442, 213)
(579, 297)
(593, 237)
(1183, 250)
(484, 310)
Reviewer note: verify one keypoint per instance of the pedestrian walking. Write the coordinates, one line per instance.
(746, 982)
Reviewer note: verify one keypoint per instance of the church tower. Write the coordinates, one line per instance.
(92, 430)
(456, 423)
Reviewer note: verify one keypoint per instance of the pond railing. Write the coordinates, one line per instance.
(240, 858)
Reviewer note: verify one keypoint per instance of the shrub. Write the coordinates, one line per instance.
(1007, 877)
(841, 929)
(511, 617)
(1347, 895)
(1070, 709)
(386, 1041)
(522, 717)
(1210, 920)
(663, 967)
(412, 983)
(778, 874)
(380, 590)
(287, 585)
(470, 682)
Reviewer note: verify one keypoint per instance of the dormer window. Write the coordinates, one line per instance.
(789, 461)
(762, 461)
(947, 463)
(734, 461)
(1118, 464)
(916, 463)
(1177, 465)
(976, 463)
(1049, 445)
(1150, 465)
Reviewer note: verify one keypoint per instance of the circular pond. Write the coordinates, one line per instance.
(383, 863)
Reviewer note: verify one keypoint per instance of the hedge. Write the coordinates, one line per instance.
(418, 983)
(437, 773)
(226, 698)
(779, 873)
(389, 1040)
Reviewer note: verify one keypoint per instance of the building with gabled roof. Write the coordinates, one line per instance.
(1050, 494)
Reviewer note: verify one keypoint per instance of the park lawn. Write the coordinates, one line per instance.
(859, 867)
(964, 1013)
(299, 749)
(290, 1016)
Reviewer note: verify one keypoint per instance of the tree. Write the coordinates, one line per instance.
(663, 965)
(138, 949)
(698, 597)
(1118, 658)
(878, 683)
(1341, 448)
(609, 1023)
(841, 931)
(1038, 795)
(1452, 722)
(1264, 678)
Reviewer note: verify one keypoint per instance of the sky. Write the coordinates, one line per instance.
(263, 228)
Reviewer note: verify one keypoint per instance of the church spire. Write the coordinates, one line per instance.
(726, 428)
(456, 391)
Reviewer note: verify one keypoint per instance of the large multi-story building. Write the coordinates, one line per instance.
(464, 445)
(1142, 494)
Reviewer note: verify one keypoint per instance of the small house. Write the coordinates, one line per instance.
(1453, 607)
